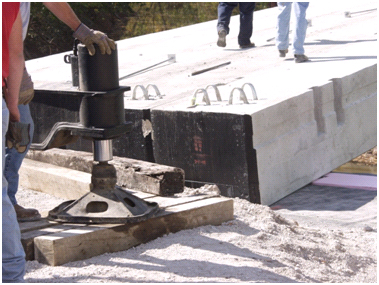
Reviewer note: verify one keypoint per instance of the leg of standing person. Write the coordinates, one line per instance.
(224, 10)
(246, 24)
(283, 27)
(300, 9)
(13, 255)
(13, 161)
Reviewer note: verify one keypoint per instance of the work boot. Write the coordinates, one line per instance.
(300, 58)
(282, 53)
(26, 215)
(250, 45)
(221, 42)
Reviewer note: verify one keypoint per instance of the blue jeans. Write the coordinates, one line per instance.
(283, 26)
(13, 258)
(13, 159)
(225, 10)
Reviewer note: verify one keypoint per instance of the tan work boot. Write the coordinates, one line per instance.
(26, 215)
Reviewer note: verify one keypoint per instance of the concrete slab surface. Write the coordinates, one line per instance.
(331, 39)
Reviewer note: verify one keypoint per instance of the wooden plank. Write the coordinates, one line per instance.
(27, 237)
(89, 241)
(54, 180)
(131, 173)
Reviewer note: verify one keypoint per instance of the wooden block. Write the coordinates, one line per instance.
(27, 238)
(131, 173)
(54, 180)
(85, 242)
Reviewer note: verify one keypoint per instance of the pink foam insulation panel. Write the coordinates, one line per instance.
(356, 181)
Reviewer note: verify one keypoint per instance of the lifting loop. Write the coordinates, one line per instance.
(205, 97)
(218, 96)
(146, 91)
(157, 93)
(242, 96)
(145, 95)
(255, 96)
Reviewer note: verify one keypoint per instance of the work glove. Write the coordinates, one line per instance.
(88, 37)
(18, 136)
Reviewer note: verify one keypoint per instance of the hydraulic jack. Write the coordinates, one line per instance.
(102, 118)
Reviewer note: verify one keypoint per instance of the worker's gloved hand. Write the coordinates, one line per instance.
(88, 37)
(18, 136)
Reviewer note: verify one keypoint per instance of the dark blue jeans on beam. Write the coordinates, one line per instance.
(225, 10)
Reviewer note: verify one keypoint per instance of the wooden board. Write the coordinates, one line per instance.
(54, 180)
(27, 238)
(135, 174)
(61, 243)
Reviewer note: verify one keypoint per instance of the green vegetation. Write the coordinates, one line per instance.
(119, 20)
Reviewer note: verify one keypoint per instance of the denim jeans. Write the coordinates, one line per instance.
(13, 258)
(283, 26)
(13, 159)
(225, 10)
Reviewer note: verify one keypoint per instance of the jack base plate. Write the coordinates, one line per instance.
(115, 206)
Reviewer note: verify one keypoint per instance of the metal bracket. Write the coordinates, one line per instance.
(64, 133)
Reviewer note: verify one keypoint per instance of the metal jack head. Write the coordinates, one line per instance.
(171, 58)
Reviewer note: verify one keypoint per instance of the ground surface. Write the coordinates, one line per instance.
(307, 244)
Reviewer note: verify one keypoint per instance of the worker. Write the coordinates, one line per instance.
(283, 29)
(13, 255)
(225, 10)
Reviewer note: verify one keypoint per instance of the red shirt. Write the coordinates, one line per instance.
(10, 11)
